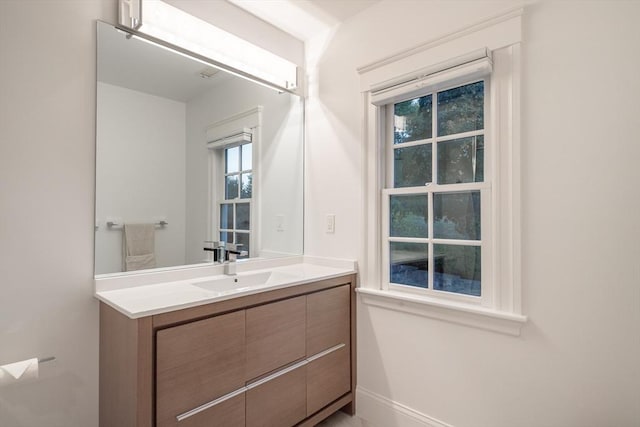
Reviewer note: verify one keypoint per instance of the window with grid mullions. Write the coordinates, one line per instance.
(235, 209)
(436, 199)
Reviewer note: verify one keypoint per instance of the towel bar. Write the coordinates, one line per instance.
(112, 224)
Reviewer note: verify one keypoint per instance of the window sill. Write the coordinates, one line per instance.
(463, 314)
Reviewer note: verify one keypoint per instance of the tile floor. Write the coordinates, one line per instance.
(340, 419)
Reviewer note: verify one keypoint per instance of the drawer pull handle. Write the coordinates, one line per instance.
(277, 374)
(324, 353)
(211, 404)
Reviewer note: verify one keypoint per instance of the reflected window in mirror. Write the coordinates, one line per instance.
(234, 225)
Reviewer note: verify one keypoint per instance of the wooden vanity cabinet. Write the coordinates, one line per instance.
(279, 358)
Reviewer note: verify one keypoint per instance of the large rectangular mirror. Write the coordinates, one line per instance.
(187, 153)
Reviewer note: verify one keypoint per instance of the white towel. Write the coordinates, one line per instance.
(138, 246)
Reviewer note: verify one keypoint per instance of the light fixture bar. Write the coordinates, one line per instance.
(170, 27)
(202, 59)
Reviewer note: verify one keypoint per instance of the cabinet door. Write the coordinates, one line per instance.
(275, 336)
(328, 346)
(328, 378)
(280, 401)
(197, 363)
(328, 319)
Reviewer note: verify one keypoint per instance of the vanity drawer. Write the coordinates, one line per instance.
(328, 378)
(280, 401)
(275, 336)
(230, 413)
(197, 363)
(328, 319)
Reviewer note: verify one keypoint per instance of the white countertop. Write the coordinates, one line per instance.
(139, 298)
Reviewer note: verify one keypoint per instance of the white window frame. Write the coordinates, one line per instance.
(224, 134)
(484, 187)
(452, 61)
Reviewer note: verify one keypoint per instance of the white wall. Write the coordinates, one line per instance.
(576, 362)
(47, 143)
(280, 161)
(141, 142)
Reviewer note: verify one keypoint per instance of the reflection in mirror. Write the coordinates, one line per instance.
(200, 154)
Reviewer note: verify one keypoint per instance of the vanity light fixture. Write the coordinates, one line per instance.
(184, 33)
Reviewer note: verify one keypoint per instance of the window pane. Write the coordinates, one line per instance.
(246, 157)
(243, 216)
(409, 216)
(457, 215)
(457, 269)
(461, 109)
(247, 186)
(226, 236)
(243, 239)
(232, 159)
(461, 160)
(231, 187)
(412, 120)
(412, 166)
(409, 264)
(226, 216)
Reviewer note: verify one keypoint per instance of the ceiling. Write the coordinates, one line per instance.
(304, 19)
(343, 9)
(138, 65)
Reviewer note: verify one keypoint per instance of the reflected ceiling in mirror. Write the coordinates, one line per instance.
(187, 153)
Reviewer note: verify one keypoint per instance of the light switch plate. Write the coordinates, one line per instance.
(331, 224)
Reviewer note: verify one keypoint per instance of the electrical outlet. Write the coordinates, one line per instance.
(279, 222)
(331, 224)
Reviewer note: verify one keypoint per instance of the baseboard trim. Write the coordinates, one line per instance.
(380, 411)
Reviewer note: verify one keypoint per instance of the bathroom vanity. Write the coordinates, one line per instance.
(274, 348)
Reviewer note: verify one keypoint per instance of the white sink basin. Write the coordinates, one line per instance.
(242, 281)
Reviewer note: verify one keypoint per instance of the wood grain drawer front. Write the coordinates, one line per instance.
(328, 378)
(196, 363)
(230, 413)
(279, 402)
(275, 336)
(328, 319)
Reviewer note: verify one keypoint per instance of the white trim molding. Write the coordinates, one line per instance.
(448, 311)
(381, 411)
(233, 124)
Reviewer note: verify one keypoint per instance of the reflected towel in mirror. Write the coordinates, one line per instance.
(138, 246)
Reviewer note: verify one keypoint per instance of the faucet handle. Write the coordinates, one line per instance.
(233, 251)
(234, 247)
(213, 246)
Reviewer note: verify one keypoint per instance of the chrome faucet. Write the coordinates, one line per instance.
(231, 255)
(225, 253)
